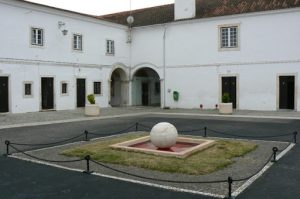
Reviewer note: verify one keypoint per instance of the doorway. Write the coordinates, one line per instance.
(119, 91)
(146, 88)
(287, 92)
(80, 93)
(229, 86)
(4, 94)
(47, 93)
(145, 93)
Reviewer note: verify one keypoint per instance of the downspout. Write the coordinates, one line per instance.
(164, 65)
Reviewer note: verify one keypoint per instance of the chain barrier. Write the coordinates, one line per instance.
(46, 144)
(110, 134)
(88, 158)
(253, 136)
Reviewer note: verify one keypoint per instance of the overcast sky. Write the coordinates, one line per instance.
(100, 7)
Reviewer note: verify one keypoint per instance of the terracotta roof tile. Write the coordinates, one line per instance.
(204, 9)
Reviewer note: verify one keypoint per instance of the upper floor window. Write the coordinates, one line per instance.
(229, 37)
(110, 47)
(77, 42)
(37, 36)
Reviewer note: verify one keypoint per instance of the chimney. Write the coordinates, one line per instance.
(185, 9)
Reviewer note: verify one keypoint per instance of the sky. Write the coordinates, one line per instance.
(101, 7)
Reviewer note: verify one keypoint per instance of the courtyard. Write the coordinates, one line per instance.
(22, 179)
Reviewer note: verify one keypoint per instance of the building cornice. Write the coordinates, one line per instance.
(62, 13)
(219, 18)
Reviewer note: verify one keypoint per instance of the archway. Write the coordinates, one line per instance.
(118, 88)
(146, 88)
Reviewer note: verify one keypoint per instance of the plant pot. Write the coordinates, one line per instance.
(92, 110)
(225, 108)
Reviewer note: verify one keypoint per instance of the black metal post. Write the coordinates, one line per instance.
(7, 147)
(136, 126)
(230, 181)
(205, 131)
(275, 149)
(86, 135)
(295, 137)
(87, 171)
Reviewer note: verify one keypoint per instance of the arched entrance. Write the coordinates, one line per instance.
(118, 88)
(146, 88)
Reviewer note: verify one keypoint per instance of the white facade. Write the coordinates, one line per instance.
(186, 56)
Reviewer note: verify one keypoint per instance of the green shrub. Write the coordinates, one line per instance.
(225, 98)
(91, 99)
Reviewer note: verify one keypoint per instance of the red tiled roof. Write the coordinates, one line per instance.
(204, 9)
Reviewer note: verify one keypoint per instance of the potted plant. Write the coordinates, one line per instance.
(91, 109)
(226, 106)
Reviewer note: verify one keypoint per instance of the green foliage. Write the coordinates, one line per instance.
(225, 98)
(91, 99)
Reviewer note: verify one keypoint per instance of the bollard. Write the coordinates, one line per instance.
(86, 135)
(205, 131)
(275, 149)
(87, 171)
(295, 137)
(7, 143)
(230, 181)
(136, 126)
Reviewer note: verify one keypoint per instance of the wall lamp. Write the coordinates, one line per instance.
(62, 27)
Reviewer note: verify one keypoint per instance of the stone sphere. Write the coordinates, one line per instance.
(163, 135)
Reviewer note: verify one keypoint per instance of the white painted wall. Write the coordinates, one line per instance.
(269, 46)
(23, 62)
(194, 64)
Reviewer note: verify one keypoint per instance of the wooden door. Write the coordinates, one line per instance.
(47, 93)
(145, 94)
(287, 92)
(81, 93)
(4, 94)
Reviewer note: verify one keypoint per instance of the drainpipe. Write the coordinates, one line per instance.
(164, 64)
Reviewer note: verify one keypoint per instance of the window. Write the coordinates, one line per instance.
(110, 47)
(77, 42)
(64, 88)
(37, 37)
(229, 37)
(97, 88)
(28, 89)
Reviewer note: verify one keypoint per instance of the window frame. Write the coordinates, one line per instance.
(31, 89)
(238, 33)
(98, 94)
(32, 28)
(73, 42)
(61, 88)
(110, 47)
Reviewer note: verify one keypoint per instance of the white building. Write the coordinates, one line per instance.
(52, 58)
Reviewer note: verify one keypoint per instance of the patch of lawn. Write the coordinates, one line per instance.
(212, 159)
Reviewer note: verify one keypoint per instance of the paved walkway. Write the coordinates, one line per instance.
(28, 119)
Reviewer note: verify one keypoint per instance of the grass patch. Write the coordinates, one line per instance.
(210, 160)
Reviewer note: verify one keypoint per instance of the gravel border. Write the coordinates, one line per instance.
(244, 166)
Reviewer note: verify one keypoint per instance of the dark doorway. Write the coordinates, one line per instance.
(229, 86)
(146, 88)
(47, 93)
(80, 92)
(145, 94)
(287, 92)
(3, 94)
